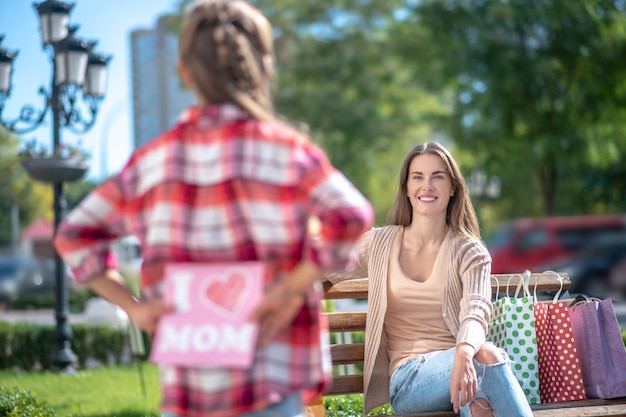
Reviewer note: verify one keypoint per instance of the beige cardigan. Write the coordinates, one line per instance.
(466, 308)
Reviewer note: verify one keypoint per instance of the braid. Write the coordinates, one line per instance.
(227, 52)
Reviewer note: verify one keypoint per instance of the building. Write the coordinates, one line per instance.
(36, 239)
(158, 94)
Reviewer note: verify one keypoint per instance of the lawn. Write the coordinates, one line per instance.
(101, 392)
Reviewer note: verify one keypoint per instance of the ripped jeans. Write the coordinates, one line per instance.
(423, 385)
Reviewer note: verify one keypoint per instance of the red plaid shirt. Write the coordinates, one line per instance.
(220, 186)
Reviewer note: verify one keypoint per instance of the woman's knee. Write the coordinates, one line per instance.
(480, 407)
(490, 354)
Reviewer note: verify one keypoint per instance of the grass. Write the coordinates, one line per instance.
(111, 391)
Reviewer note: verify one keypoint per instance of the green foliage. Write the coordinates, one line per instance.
(15, 402)
(31, 345)
(99, 392)
(344, 405)
(351, 406)
(34, 149)
(6, 338)
(32, 199)
(78, 298)
(536, 91)
(76, 191)
(28, 346)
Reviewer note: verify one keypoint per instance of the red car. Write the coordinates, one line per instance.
(531, 243)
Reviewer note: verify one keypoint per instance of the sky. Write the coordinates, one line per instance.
(108, 22)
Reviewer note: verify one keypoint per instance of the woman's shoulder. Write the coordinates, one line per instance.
(463, 244)
(384, 231)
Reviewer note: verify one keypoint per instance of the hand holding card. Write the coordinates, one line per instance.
(210, 325)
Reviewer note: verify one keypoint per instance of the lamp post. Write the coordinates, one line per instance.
(76, 69)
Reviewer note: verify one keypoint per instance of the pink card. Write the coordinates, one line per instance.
(209, 327)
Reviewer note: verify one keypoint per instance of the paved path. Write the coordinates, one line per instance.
(97, 311)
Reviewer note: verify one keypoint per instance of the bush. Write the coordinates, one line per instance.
(351, 406)
(29, 347)
(78, 298)
(19, 403)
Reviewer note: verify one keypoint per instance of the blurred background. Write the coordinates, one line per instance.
(528, 95)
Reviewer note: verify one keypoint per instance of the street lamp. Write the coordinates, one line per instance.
(76, 68)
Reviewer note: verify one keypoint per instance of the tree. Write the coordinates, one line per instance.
(33, 199)
(537, 92)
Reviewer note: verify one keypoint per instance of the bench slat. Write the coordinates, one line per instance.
(354, 288)
(572, 409)
(352, 321)
(347, 354)
(583, 408)
(543, 281)
(346, 384)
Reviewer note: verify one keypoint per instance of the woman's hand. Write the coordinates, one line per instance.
(463, 381)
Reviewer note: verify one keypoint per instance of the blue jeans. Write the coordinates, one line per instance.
(289, 407)
(423, 385)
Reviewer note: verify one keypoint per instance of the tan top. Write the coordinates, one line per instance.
(413, 322)
(466, 306)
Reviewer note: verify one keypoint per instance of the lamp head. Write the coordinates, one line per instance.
(6, 68)
(70, 56)
(54, 18)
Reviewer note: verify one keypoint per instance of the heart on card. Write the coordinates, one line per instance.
(227, 292)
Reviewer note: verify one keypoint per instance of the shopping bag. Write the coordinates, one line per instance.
(512, 328)
(600, 348)
(560, 374)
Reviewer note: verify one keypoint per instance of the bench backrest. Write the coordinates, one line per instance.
(353, 353)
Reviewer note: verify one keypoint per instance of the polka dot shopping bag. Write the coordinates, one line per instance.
(512, 328)
(560, 375)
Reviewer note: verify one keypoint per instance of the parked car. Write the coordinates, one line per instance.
(531, 243)
(25, 275)
(592, 270)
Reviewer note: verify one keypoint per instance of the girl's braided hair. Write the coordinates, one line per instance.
(227, 47)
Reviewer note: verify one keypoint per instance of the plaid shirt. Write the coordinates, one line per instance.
(219, 187)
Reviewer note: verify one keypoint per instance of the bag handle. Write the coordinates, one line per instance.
(523, 284)
(582, 299)
(558, 293)
(497, 287)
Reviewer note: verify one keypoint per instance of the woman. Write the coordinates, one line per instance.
(430, 300)
(228, 183)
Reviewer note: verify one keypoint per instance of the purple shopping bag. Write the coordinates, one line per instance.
(600, 348)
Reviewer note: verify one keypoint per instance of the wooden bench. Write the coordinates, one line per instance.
(347, 354)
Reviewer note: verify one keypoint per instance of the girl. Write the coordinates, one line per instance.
(228, 183)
